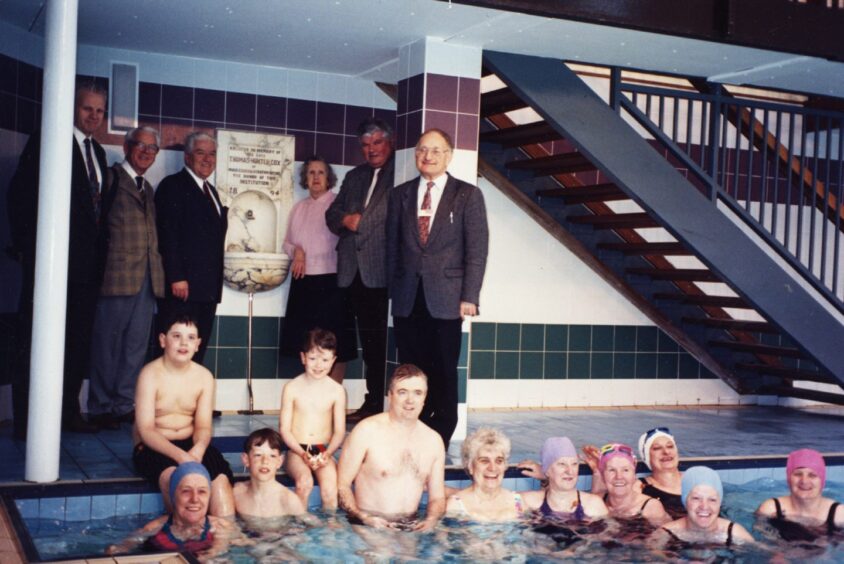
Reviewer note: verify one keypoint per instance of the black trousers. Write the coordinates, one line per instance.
(202, 312)
(434, 346)
(369, 306)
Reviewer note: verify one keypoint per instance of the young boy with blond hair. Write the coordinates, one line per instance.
(312, 421)
(263, 496)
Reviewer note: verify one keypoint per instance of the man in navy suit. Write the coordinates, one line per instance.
(83, 272)
(437, 241)
(192, 227)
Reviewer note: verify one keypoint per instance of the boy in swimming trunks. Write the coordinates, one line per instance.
(174, 400)
(312, 421)
(262, 496)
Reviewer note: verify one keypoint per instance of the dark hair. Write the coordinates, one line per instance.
(446, 137)
(178, 317)
(266, 436)
(405, 371)
(303, 172)
(372, 125)
(321, 338)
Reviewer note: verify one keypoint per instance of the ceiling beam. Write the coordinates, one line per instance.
(774, 25)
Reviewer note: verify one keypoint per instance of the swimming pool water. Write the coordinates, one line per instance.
(334, 540)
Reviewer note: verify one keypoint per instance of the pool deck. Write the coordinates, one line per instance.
(701, 432)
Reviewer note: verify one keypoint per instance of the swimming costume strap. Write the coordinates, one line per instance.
(647, 501)
(578, 514)
(779, 508)
(730, 534)
(830, 518)
(164, 539)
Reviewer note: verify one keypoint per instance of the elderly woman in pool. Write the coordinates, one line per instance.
(624, 499)
(804, 508)
(485, 453)
(561, 500)
(189, 528)
(658, 450)
(702, 494)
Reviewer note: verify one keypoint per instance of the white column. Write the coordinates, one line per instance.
(50, 295)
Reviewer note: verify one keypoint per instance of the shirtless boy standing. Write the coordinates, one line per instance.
(391, 458)
(312, 421)
(174, 399)
(262, 496)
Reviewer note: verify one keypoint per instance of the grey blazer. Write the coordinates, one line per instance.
(451, 266)
(363, 251)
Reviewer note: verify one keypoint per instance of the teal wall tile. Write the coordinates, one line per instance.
(506, 365)
(461, 385)
(624, 366)
(530, 366)
(28, 508)
(625, 338)
(264, 363)
(602, 365)
(646, 339)
(533, 337)
(103, 506)
(666, 343)
(556, 365)
(151, 503)
(52, 508)
(556, 337)
(646, 365)
(667, 365)
(603, 338)
(78, 508)
(483, 336)
(232, 331)
(355, 369)
(580, 337)
(578, 365)
(482, 364)
(507, 337)
(128, 504)
(290, 367)
(209, 361)
(688, 367)
(231, 363)
(215, 330)
(463, 360)
(264, 331)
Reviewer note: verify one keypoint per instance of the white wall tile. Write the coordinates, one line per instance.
(241, 78)
(361, 92)
(302, 84)
(272, 81)
(209, 74)
(331, 88)
(452, 60)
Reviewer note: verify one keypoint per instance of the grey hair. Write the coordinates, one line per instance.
(373, 125)
(195, 136)
(483, 437)
(89, 86)
(132, 133)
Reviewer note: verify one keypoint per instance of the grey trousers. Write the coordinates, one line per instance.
(122, 327)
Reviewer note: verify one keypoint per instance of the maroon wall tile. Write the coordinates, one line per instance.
(8, 75)
(352, 155)
(401, 106)
(330, 118)
(305, 144)
(413, 129)
(354, 116)
(446, 121)
(415, 92)
(469, 96)
(176, 101)
(330, 146)
(441, 92)
(467, 132)
(241, 108)
(149, 98)
(301, 114)
(209, 105)
(272, 112)
(28, 81)
(8, 111)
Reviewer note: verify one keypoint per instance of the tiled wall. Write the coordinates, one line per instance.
(20, 95)
(552, 352)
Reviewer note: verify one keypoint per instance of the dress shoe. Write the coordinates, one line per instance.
(78, 425)
(106, 422)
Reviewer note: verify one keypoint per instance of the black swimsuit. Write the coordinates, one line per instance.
(676, 542)
(673, 503)
(792, 531)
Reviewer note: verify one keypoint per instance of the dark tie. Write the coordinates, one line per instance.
(425, 220)
(92, 178)
(207, 189)
(139, 180)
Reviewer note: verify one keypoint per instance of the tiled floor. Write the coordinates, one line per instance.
(700, 432)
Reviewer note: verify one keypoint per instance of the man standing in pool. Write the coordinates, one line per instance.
(391, 458)
(173, 403)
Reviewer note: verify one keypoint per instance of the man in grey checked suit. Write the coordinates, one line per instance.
(358, 217)
(437, 241)
(133, 276)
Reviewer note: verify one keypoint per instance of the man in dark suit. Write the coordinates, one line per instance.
(133, 277)
(437, 241)
(358, 217)
(86, 187)
(192, 227)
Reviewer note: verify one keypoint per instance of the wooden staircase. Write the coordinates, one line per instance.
(634, 250)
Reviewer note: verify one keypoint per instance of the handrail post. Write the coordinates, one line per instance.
(714, 138)
(615, 88)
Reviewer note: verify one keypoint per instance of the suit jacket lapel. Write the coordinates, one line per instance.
(128, 184)
(444, 208)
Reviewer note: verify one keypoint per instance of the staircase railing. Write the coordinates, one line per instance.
(779, 167)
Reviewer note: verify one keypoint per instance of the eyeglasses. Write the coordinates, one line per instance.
(656, 430)
(146, 148)
(436, 152)
(616, 447)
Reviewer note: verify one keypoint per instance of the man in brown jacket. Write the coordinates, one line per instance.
(133, 276)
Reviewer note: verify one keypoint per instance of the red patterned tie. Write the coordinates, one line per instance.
(425, 220)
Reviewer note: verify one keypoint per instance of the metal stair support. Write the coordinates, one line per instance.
(572, 110)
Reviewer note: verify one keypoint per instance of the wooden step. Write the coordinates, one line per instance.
(565, 163)
(704, 300)
(500, 101)
(685, 274)
(673, 249)
(783, 372)
(732, 324)
(802, 393)
(615, 220)
(528, 134)
(757, 348)
(585, 194)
